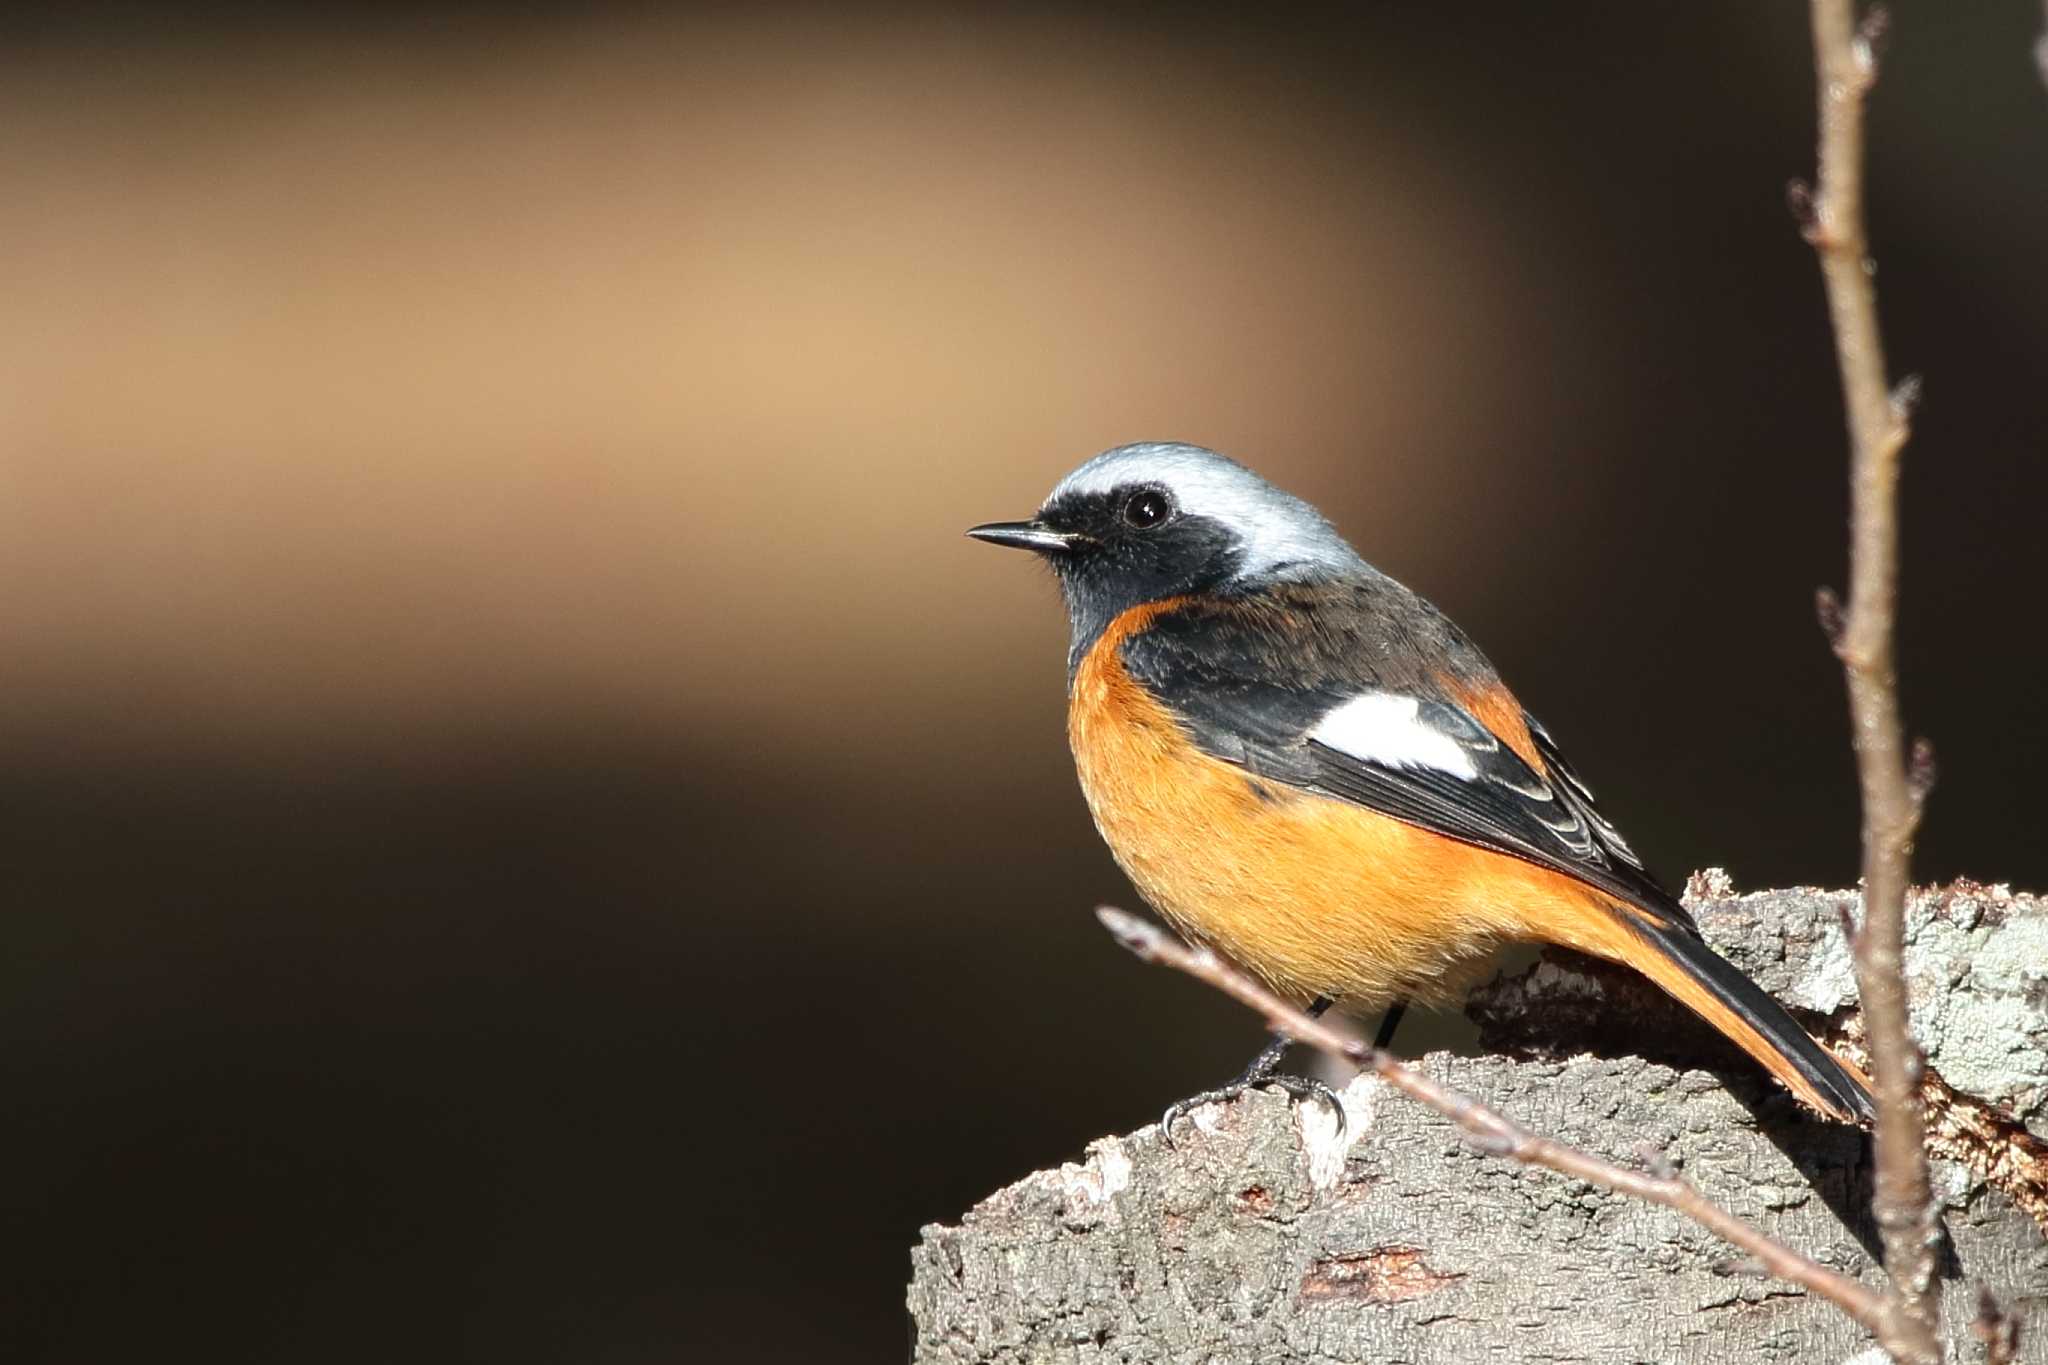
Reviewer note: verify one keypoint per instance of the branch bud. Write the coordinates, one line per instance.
(1851, 934)
(1921, 772)
(1827, 605)
(1805, 209)
(1868, 45)
(1905, 399)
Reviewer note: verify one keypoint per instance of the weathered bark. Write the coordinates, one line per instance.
(1258, 1238)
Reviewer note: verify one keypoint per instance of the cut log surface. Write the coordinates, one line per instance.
(1260, 1237)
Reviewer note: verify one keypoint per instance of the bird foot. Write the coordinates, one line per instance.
(1302, 1089)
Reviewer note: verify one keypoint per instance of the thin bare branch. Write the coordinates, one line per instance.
(1845, 66)
(1492, 1133)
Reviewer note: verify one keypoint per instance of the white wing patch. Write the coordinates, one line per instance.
(1385, 728)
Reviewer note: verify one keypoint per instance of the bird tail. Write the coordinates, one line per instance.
(1677, 959)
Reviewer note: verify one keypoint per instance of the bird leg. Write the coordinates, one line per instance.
(1389, 1021)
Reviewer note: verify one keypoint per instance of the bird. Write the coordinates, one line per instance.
(1305, 765)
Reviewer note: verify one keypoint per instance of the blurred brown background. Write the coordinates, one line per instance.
(531, 834)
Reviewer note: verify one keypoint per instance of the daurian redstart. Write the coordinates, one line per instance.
(1303, 763)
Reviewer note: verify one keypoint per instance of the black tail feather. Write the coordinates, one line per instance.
(1748, 1001)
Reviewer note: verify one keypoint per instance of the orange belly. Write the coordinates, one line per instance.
(1316, 895)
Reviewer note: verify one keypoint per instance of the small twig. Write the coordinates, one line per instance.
(1490, 1132)
(1997, 1329)
(1845, 66)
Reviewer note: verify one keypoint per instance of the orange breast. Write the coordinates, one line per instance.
(1316, 895)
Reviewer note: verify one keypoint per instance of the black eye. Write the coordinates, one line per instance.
(1147, 508)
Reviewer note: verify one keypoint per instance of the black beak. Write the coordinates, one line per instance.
(1025, 535)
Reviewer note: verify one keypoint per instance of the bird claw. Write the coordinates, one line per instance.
(1300, 1089)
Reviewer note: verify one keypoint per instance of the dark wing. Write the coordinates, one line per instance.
(1494, 800)
(1392, 741)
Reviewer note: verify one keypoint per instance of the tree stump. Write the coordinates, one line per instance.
(1262, 1237)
